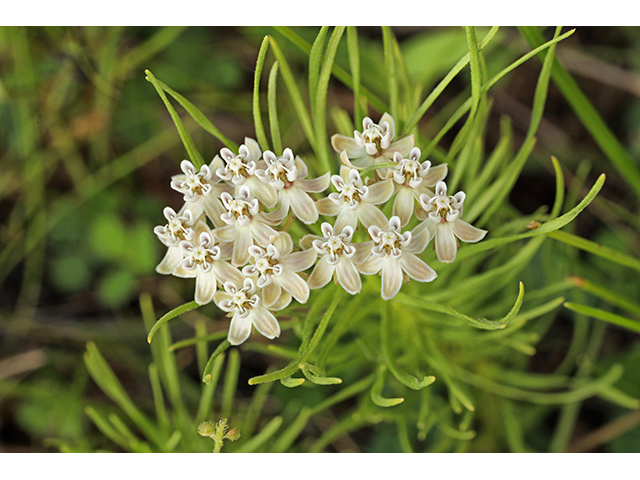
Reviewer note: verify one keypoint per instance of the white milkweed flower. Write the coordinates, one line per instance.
(205, 261)
(374, 145)
(245, 225)
(413, 179)
(240, 170)
(443, 221)
(393, 253)
(201, 189)
(287, 175)
(243, 305)
(355, 201)
(338, 258)
(178, 228)
(276, 267)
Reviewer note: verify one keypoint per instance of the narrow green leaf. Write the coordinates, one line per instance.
(482, 323)
(320, 112)
(261, 136)
(589, 116)
(435, 93)
(390, 67)
(171, 315)
(187, 141)
(274, 124)
(597, 249)
(317, 375)
(294, 93)
(403, 377)
(258, 440)
(291, 382)
(354, 65)
(206, 376)
(376, 392)
(315, 59)
(609, 296)
(547, 227)
(599, 314)
(230, 383)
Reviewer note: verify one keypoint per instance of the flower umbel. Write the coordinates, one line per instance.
(443, 221)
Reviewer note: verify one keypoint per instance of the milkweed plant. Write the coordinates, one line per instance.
(368, 264)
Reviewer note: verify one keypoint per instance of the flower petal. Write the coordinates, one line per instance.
(224, 272)
(416, 268)
(241, 246)
(347, 217)
(265, 322)
(403, 205)
(363, 250)
(379, 192)
(304, 208)
(391, 277)
(446, 244)
(299, 261)
(239, 330)
(420, 237)
(328, 207)
(341, 143)
(348, 276)
(262, 191)
(315, 185)
(466, 232)
(321, 274)
(436, 174)
(205, 287)
(403, 146)
(171, 260)
(263, 233)
(295, 285)
(225, 234)
(371, 215)
(271, 293)
(372, 265)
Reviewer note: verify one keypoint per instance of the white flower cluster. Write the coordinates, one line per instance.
(226, 234)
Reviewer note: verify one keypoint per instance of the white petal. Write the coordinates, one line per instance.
(171, 260)
(420, 237)
(241, 246)
(239, 330)
(328, 207)
(299, 261)
(315, 185)
(436, 174)
(205, 287)
(446, 244)
(283, 243)
(265, 322)
(466, 232)
(262, 191)
(254, 149)
(306, 242)
(359, 162)
(227, 273)
(372, 265)
(370, 215)
(348, 276)
(225, 234)
(282, 302)
(263, 233)
(321, 274)
(380, 192)
(271, 293)
(404, 146)
(295, 285)
(341, 143)
(304, 208)
(346, 217)
(403, 205)
(416, 268)
(363, 250)
(391, 277)
(386, 118)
